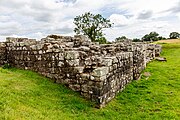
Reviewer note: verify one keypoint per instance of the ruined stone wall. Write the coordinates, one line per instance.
(98, 72)
(139, 55)
(152, 51)
(139, 60)
(3, 58)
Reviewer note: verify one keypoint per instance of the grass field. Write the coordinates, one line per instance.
(25, 95)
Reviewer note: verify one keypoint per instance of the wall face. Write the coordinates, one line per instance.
(139, 59)
(98, 72)
(3, 54)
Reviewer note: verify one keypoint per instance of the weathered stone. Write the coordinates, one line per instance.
(147, 74)
(114, 60)
(107, 62)
(85, 76)
(99, 78)
(69, 44)
(60, 64)
(95, 47)
(71, 55)
(33, 47)
(100, 71)
(160, 59)
(79, 69)
(75, 87)
(84, 48)
(73, 63)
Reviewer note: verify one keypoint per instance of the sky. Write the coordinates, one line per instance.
(131, 18)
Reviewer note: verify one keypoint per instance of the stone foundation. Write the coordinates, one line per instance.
(97, 72)
(3, 55)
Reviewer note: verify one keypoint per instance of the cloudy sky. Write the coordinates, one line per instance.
(132, 18)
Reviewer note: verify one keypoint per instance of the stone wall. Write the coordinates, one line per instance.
(98, 72)
(3, 58)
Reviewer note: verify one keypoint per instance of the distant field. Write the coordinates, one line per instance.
(25, 95)
(169, 41)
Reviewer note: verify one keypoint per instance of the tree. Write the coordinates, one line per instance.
(91, 25)
(121, 38)
(102, 40)
(152, 36)
(174, 35)
(136, 40)
(161, 38)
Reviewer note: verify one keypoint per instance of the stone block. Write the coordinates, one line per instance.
(85, 76)
(79, 69)
(84, 48)
(107, 62)
(72, 63)
(75, 87)
(60, 64)
(100, 71)
(71, 55)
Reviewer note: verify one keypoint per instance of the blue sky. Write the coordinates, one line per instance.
(132, 18)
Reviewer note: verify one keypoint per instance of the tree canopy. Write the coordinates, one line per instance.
(91, 25)
(152, 36)
(136, 40)
(121, 38)
(174, 35)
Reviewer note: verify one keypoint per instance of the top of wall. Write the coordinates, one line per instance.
(53, 43)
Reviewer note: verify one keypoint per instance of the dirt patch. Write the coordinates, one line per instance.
(169, 41)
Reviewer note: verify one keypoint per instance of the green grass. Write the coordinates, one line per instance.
(25, 95)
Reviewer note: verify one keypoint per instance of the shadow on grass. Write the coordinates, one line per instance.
(42, 94)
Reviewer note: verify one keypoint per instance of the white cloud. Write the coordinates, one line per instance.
(139, 29)
(4, 18)
(8, 28)
(178, 15)
(145, 14)
(120, 20)
(39, 35)
(37, 18)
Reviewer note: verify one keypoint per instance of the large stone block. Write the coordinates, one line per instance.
(100, 71)
(108, 61)
(71, 55)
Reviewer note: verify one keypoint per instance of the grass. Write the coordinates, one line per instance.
(25, 95)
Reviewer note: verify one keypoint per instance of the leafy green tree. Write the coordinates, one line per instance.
(102, 40)
(136, 40)
(121, 38)
(91, 25)
(161, 38)
(146, 37)
(174, 35)
(152, 36)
